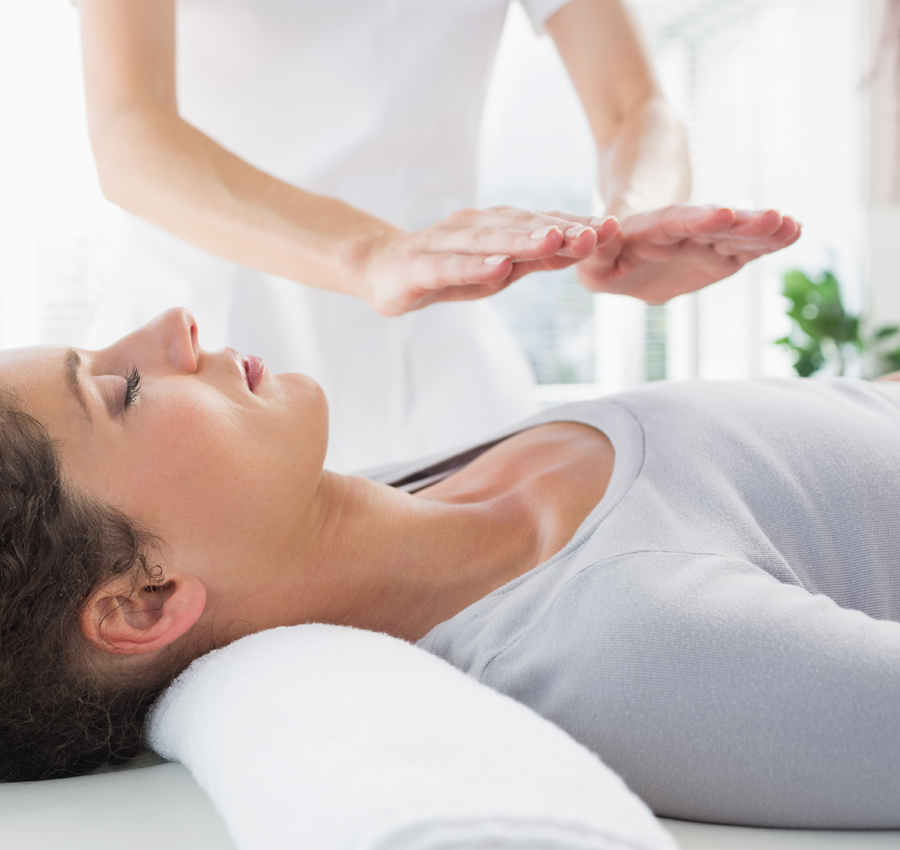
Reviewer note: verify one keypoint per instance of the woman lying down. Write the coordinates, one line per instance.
(698, 581)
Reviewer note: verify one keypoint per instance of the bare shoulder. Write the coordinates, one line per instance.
(565, 463)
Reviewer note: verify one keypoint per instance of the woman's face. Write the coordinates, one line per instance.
(212, 454)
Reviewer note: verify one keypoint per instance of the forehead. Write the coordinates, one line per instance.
(30, 373)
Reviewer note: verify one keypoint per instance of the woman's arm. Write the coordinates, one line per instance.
(643, 160)
(159, 167)
(667, 247)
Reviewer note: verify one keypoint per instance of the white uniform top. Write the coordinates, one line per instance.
(375, 102)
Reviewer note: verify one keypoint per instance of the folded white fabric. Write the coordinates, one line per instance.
(332, 738)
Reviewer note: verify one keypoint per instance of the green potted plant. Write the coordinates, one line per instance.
(824, 334)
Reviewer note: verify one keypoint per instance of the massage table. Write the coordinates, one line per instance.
(158, 805)
(366, 732)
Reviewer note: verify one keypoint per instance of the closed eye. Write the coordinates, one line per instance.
(132, 386)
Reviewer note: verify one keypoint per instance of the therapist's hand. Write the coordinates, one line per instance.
(663, 253)
(473, 254)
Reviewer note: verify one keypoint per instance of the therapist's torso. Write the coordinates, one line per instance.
(376, 102)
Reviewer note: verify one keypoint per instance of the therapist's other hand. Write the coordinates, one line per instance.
(666, 252)
(473, 254)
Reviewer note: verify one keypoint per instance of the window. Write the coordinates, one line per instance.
(53, 218)
(770, 93)
(769, 90)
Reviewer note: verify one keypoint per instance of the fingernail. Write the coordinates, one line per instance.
(576, 231)
(599, 222)
(544, 232)
(496, 259)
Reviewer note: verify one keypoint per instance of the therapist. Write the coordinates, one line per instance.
(264, 144)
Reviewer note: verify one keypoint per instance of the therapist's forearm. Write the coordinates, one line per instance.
(641, 144)
(157, 166)
(645, 163)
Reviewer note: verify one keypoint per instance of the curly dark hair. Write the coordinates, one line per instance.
(64, 709)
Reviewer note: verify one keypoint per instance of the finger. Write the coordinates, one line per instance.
(678, 222)
(756, 223)
(607, 229)
(471, 291)
(571, 217)
(604, 248)
(520, 244)
(787, 233)
(577, 243)
(580, 241)
(518, 218)
(603, 262)
(559, 217)
(603, 253)
(434, 272)
(528, 220)
(749, 256)
(767, 224)
(543, 265)
(661, 230)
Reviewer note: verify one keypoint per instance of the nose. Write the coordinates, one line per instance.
(178, 334)
(169, 341)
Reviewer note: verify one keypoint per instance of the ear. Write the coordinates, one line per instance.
(125, 621)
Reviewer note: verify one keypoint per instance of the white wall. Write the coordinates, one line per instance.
(882, 213)
(51, 210)
(776, 119)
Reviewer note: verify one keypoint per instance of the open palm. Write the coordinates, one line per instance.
(667, 252)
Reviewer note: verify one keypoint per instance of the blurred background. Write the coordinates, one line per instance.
(783, 106)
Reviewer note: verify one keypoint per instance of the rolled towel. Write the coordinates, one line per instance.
(333, 738)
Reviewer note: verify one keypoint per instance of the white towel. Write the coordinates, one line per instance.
(332, 738)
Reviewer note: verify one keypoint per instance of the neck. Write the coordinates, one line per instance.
(357, 553)
(379, 559)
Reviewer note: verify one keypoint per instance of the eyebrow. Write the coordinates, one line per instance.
(73, 381)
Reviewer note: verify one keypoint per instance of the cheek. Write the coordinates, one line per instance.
(187, 461)
(207, 480)
(203, 473)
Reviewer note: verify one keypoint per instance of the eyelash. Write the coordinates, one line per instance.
(132, 387)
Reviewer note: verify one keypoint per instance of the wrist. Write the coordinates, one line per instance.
(333, 245)
(646, 164)
(358, 257)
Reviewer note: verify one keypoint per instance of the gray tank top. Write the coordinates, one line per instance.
(747, 526)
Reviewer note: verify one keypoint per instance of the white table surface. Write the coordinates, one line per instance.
(160, 807)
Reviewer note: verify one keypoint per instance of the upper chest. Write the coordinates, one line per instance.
(552, 475)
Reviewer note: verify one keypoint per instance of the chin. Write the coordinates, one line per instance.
(298, 385)
(311, 409)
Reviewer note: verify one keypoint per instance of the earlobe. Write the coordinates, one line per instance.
(133, 622)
